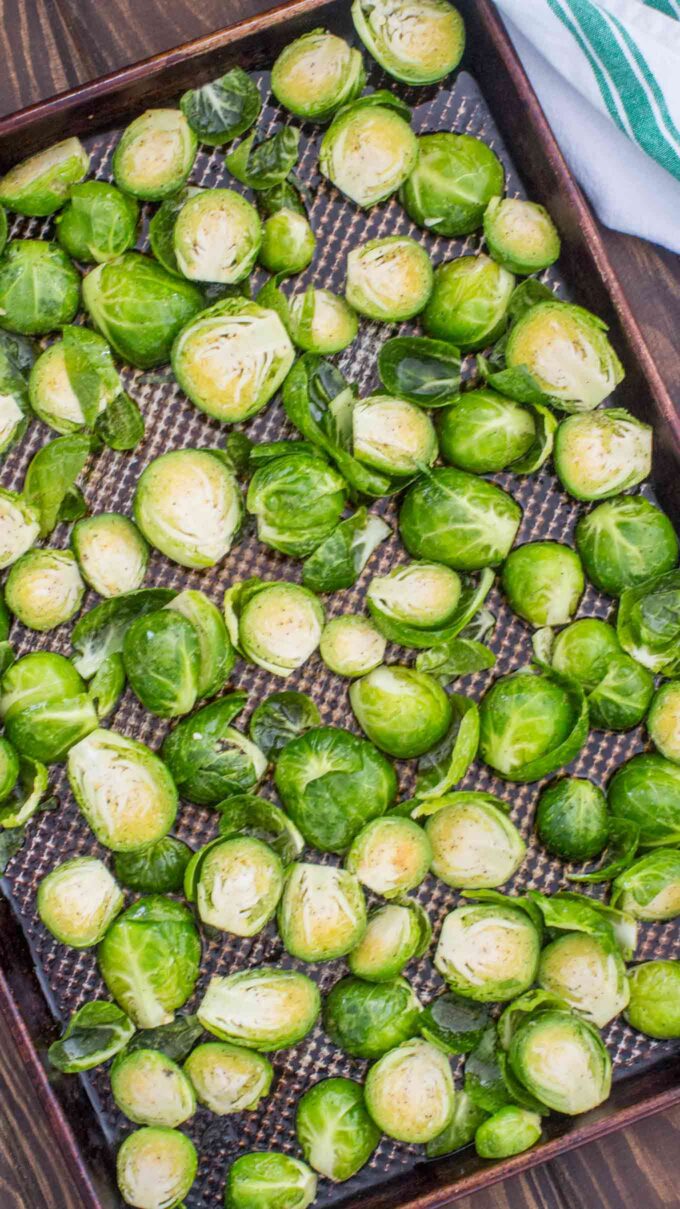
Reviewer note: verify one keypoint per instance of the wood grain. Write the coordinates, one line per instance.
(51, 45)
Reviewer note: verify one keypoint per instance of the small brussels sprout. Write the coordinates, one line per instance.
(98, 222)
(39, 287)
(509, 1131)
(648, 623)
(158, 869)
(162, 659)
(9, 768)
(322, 913)
(396, 933)
(561, 1060)
(231, 359)
(209, 759)
(389, 279)
(56, 383)
(543, 582)
(95, 1033)
(392, 435)
(288, 243)
(422, 595)
(269, 1178)
(316, 74)
(587, 974)
(602, 453)
(409, 1092)
(264, 1009)
(155, 154)
(111, 553)
(646, 790)
(228, 1078)
(156, 1167)
(19, 527)
(276, 625)
(280, 718)
(404, 712)
(188, 505)
(654, 1006)
(236, 884)
(458, 519)
(44, 589)
(474, 844)
(45, 707)
(125, 792)
(520, 235)
(531, 725)
(488, 951)
(40, 184)
(298, 500)
(571, 819)
(352, 646)
(78, 900)
(650, 888)
(455, 178)
(455, 1025)
(320, 321)
(223, 109)
(566, 351)
(417, 43)
(335, 1132)
(217, 237)
(484, 433)
(369, 150)
(151, 1089)
(390, 855)
(618, 690)
(149, 959)
(663, 720)
(624, 542)
(469, 302)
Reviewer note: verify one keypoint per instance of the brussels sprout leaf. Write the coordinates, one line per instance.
(624, 838)
(420, 370)
(158, 869)
(458, 657)
(338, 562)
(175, 1040)
(51, 475)
(121, 426)
(73, 506)
(280, 718)
(246, 814)
(222, 110)
(25, 799)
(100, 632)
(466, 1119)
(484, 1082)
(447, 763)
(107, 685)
(455, 1024)
(268, 163)
(96, 1032)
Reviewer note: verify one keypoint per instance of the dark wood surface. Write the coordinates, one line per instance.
(50, 45)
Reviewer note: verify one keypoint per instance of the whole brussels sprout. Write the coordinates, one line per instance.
(151, 1089)
(520, 235)
(389, 279)
(396, 933)
(663, 721)
(45, 707)
(618, 690)
(392, 435)
(588, 974)
(44, 588)
(276, 625)
(217, 236)
(484, 432)
(264, 1009)
(78, 900)
(543, 582)
(162, 660)
(571, 819)
(654, 1006)
(288, 242)
(98, 222)
(474, 844)
(530, 725)
(40, 184)
(624, 542)
(298, 500)
(59, 373)
(9, 768)
(155, 154)
(335, 1132)
(417, 43)
(236, 884)
(316, 74)
(125, 792)
(228, 1078)
(319, 321)
(369, 150)
(469, 302)
(646, 790)
(509, 1131)
(158, 869)
(561, 1060)
(352, 646)
(458, 519)
(648, 623)
(209, 759)
(156, 1168)
(404, 712)
(650, 888)
(454, 180)
(367, 1020)
(39, 287)
(111, 553)
(188, 505)
(456, 1025)
(488, 951)
(390, 855)
(149, 959)
(602, 453)
(19, 527)
(322, 913)
(565, 350)
(409, 1092)
(269, 1178)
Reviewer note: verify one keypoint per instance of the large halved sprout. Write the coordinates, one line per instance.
(269, 1178)
(390, 855)
(544, 582)
(298, 500)
(469, 302)
(320, 321)
(19, 527)
(458, 519)
(78, 900)
(392, 435)
(352, 646)
(530, 725)
(474, 843)
(316, 74)
(370, 149)
(228, 1078)
(188, 505)
(561, 1060)
(97, 223)
(236, 884)
(322, 914)
(663, 721)
(45, 707)
(217, 236)
(403, 711)
(409, 1092)
(40, 184)
(156, 1168)
(602, 453)
(520, 235)
(264, 1009)
(111, 553)
(44, 588)
(416, 41)
(395, 935)
(276, 625)
(454, 180)
(151, 1089)
(566, 351)
(655, 999)
(155, 154)
(587, 973)
(334, 1129)
(624, 542)
(389, 279)
(39, 287)
(489, 951)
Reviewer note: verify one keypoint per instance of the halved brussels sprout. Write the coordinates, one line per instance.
(276, 625)
(416, 41)
(162, 659)
(389, 279)
(602, 453)
(188, 505)
(543, 582)
(158, 869)
(458, 519)
(509, 1131)
(565, 350)
(155, 154)
(392, 435)
(96, 1032)
(404, 712)
(419, 594)
(560, 1058)
(17, 355)
(39, 287)
(216, 652)
(474, 844)
(125, 792)
(456, 1025)
(624, 542)
(100, 633)
(19, 527)
(111, 553)
(484, 433)
(222, 109)
(320, 321)
(571, 819)
(98, 222)
(264, 1009)
(520, 235)
(44, 588)
(151, 1089)
(40, 184)
(587, 974)
(654, 1006)
(369, 150)
(469, 302)
(9, 768)
(217, 236)
(236, 884)
(663, 721)
(45, 707)
(409, 1092)
(156, 1168)
(228, 1078)
(232, 359)
(335, 1132)
(351, 646)
(269, 1178)
(395, 934)
(288, 242)
(316, 74)
(322, 913)
(531, 725)
(618, 690)
(646, 790)
(650, 888)
(298, 500)
(390, 855)
(454, 180)
(648, 623)
(209, 759)
(73, 381)
(78, 900)
(488, 951)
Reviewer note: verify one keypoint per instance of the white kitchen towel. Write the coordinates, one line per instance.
(607, 73)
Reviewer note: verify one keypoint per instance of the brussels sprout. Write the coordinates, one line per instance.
(264, 1009)
(73, 381)
(40, 184)
(265, 165)
(44, 588)
(351, 646)
(209, 759)
(162, 659)
(125, 792)
(520, 235)
(158, 869)
(390, 855)
(404, 712)
(417, 43)
(17, 355)
(228, 1078)
(474, 844)
(216, 652)
(488, 951)
(588, 975)
(156, 1167)
(561, 1060)
(100, 632)
(44, 706)
(149, 959)
(395, 934)
(602, 453)
(321, 322)
(484, 432)
(335, 1132)
(111, 552)
(95, 1033)
(223, 109)
(565, 351)
(78, 900)
(322, 913)
(409, 1092)
(466, 1119)
(271, 1179)
(509, 1131)
(246, 814)
(389, 279)
(155, 154)
(9, 768)
(423, 595)
(369, 150)
(618, 690)
(648, 623)
(39, 287)
(543, 582)
(458, 519)
(455, 178)
(469, 302)
(98, 222)
(654, 1006)
(298, 500)
(188, 505)
(19, 527)
(571, 819)
(624, 542)
(646, 790)
(650, 888)
(236, 884)
(392, 435)
(280, 718)
(277, 625)
(531, 725)
(217, 236)
(663, 721)
(288, 242)
(316, 74)
(151, 1089)
(455, 1025)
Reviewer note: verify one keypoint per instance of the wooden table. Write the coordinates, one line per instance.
(50, 45)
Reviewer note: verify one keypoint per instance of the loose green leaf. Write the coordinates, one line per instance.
(101, 631)
(268, 163)
(338, 562)
(484, 1082)
(26, 797)
(246, 814)
(447, 763)
(51, 475)
(224, 109)
(280, 718)
(121, 426)
(96, 1032)
(458, 657)
(107, 686)
(624, 838)
(175, 1040)
(420, 370)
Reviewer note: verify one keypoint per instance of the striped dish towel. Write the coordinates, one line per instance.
(607, 73)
